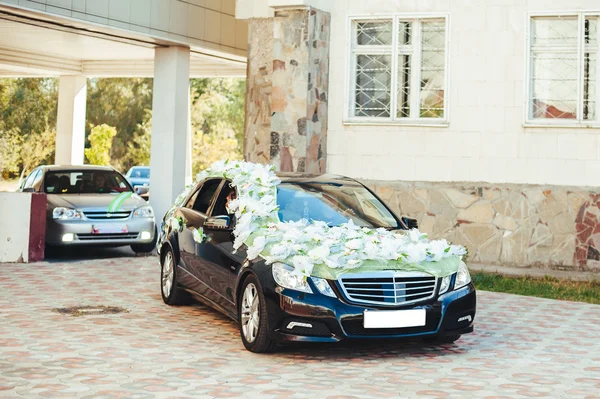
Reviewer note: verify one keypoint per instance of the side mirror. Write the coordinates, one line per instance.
(141, 190)
(29, 190)
(222, 222)
(410, 222)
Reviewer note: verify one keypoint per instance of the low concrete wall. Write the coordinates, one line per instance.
(22, 227)
(503, 224)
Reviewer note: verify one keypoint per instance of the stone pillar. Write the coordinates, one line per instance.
(287, 90)
(170, 109)
(70, 121)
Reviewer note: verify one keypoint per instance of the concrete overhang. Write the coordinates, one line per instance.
(39, 44)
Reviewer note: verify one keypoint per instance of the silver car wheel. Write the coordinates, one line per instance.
(167, 275)
(250, 313)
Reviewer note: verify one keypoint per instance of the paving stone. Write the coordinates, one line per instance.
(521, 347)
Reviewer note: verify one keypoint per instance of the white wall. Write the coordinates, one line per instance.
(486, 139)
(15, 214)
(206, 23)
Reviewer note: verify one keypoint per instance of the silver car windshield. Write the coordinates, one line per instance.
(332, 203)
(85, 182)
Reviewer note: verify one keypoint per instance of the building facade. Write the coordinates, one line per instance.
(480, 119)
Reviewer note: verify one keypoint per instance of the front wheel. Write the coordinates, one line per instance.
(171, 293)
(252, 314)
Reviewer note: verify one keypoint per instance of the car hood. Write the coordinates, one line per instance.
(94, 201)
(138, 181)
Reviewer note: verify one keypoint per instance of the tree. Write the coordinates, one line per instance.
(27, 123)
(9, 158)
(217, 113)
(100, 144)
(138, 149)
(123, 103)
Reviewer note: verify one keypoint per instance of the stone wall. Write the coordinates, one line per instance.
(287, 90)
(512, 225)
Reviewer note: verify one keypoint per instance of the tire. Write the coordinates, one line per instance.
(170, 291)
(447, 339)
(252, 305)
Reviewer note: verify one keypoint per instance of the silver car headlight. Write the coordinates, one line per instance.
(143, 212)
(323, 286)
(62, 213)
(445, 284)
(463, 277)
(285, 277)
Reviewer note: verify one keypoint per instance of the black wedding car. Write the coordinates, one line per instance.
(272, 307)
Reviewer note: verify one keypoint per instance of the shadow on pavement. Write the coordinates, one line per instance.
(74, 254)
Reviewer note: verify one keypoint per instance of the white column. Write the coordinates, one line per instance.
(170, 108)
(70, 122)
(188, 152)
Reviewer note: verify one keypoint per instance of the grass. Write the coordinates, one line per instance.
(546, 287)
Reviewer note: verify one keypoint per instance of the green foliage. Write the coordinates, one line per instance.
(138, 149)
(27, 123)
(123, 103)
(101, 139)
(9, 158)
(28, 109)
(547, 287)
(217, 114)
(38, 149)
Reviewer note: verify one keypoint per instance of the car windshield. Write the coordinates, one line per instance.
(139, 173)
(85, 182)
(332, 203)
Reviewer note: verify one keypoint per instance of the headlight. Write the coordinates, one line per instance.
(323, 286)
(65, 213)
(462, 276)
(285, 277)
(143, 212)
(445, 284)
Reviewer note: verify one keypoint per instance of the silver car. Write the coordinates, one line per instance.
(92, 205)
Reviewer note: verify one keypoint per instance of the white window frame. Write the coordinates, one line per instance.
(528, 81)
(350, 81)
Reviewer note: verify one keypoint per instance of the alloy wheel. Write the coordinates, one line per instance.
(167, 275)
(250, 313)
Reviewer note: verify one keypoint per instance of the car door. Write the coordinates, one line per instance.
(194, 214)
(224, 264)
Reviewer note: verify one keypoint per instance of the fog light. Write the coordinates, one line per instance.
(146, 235)
(68, 237)
(293, 324)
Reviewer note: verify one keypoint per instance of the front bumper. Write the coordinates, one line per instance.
(82, 232)
(333, 319)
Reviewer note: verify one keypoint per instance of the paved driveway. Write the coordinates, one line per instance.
(523, 347)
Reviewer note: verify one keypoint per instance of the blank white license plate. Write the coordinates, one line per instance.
(110, 229)
(394, 318)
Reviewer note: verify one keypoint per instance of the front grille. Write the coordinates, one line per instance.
(388, 288)
(355, 326)
(103, 215)
(109, 236)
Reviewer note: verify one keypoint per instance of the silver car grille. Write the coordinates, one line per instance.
(103, 215)
(107, 236)
(388, 288)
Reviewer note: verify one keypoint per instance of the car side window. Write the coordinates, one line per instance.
(226, 195)
(37, 181)
(205, 195)
(30, 178)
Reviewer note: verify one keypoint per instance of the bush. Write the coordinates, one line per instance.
(100, 144)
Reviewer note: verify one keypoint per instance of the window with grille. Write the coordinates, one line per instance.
(398, 70)
(563, 64)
